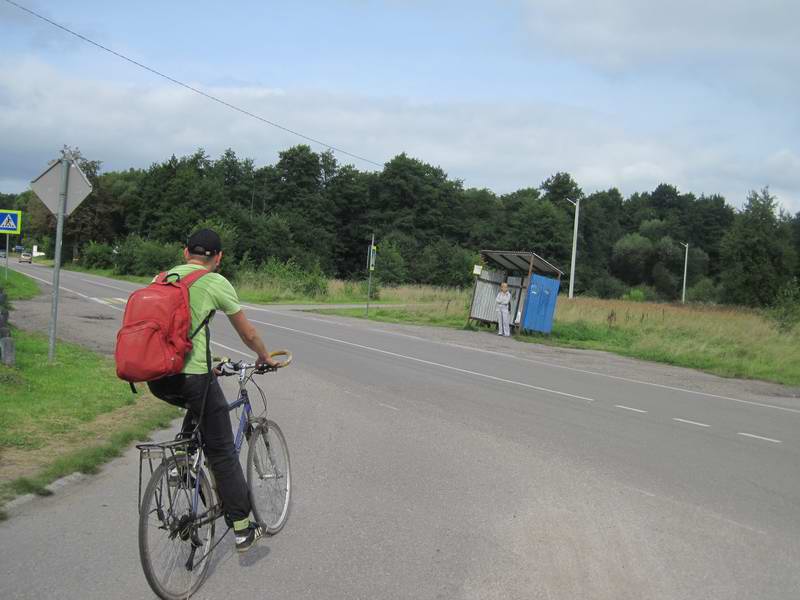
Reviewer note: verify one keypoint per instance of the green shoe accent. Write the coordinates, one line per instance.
(242, 524)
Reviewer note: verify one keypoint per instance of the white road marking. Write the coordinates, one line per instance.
(427, 362)
(531, 360)
(101, 301)
(388, 406)
(760, 437)
(690, 422)
(231, 349)
(638, 410)
(293, 313)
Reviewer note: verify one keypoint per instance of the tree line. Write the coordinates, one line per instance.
(310, 210)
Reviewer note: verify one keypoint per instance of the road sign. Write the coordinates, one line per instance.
(47, 187)
(373, 250)
(10, 221)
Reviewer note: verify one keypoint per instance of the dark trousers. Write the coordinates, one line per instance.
(186, 391)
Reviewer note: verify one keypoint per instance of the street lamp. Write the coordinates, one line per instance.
(577, 204)
(685, 265)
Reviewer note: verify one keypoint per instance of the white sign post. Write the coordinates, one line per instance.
(370, 268)
(62, 187)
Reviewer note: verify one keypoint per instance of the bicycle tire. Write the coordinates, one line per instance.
(152, 500)
(269, 476)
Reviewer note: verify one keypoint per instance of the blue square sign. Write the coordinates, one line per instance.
(10, 221)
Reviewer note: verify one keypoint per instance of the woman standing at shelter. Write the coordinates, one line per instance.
(503, 303)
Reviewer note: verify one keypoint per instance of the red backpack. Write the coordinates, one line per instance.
(155, 339)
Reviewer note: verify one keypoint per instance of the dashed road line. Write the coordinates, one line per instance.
(638, 410)
(294, 313)
(759, 437)
(691, 422)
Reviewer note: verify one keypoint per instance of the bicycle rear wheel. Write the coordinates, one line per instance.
(173, 550)
(269, 476)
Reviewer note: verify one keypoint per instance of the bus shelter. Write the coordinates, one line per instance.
(518, 269)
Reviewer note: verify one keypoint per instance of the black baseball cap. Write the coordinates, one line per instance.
(205, 243)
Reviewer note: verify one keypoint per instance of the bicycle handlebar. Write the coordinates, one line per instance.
(226, 367)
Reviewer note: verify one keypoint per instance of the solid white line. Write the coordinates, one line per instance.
(231, 349)
(690, 422)
(388, 406)
(639, 410)
(760, 437)
(427, 362)
(101, 301)
(293, 313)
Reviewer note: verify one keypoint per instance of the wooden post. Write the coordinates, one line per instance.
(471, 302)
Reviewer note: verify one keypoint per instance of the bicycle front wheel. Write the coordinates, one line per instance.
(269, 476)
(174, 551)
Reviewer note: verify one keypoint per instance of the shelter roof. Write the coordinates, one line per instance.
(511, 260)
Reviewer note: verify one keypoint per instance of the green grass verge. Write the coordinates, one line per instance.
(46, 407)
(17, 286)
(724, 341)
(416, 315)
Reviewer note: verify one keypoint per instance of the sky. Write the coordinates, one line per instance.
(619, 93)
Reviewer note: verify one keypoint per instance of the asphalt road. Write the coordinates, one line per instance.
(432, 463)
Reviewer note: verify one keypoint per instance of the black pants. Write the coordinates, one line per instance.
(186, 391)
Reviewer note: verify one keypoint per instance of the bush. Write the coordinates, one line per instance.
(137, 256)
(608, 287)
(97, 256)
(785, 311)
(374, 291)
(641, 293)
(284, 279)
(705, 291)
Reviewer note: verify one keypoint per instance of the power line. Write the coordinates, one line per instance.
(193, 89)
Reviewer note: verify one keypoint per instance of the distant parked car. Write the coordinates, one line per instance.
(25, 257)
(19, 248)
(2, 253)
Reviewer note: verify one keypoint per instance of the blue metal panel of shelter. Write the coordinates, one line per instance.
(540, 305)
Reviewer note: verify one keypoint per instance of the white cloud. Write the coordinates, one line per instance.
(500, 146)
(625, 33)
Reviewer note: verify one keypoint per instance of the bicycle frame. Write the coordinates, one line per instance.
(166, 452)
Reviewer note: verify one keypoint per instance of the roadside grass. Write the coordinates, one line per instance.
(257, 288)
(18, 286)
(339, 291)
(67, 417)
(726, 341)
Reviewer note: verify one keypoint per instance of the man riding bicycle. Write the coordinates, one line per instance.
(210, 293)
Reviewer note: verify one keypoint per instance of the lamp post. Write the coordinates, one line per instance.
(577, 204)
(685, 266)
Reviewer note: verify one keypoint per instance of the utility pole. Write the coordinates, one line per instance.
(577, 204)
(685, 268)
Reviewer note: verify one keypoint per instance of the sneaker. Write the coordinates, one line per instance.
(246, 538)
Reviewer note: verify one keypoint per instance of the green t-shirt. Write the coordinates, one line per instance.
(210, 292)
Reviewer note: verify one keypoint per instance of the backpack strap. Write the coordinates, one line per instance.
(189, 279)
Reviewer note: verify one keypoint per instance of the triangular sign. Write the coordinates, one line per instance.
(8, 223)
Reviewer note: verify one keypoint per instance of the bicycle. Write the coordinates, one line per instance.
(179, 506)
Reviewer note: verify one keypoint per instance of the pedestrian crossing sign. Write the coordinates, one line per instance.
(10, 221)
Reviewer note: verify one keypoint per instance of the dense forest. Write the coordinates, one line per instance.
(319, 214)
